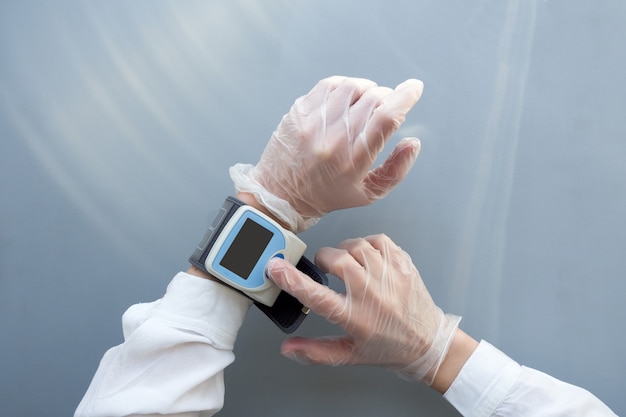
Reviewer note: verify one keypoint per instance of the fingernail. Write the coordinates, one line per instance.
(418, 145)
(412, 139)
(271, 265)
(414, 143)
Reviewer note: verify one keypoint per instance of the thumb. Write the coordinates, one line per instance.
(319, 351)
(380, 181)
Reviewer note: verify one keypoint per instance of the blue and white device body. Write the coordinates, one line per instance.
(243, 248)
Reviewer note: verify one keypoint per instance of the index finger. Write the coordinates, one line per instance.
(389, 115)
(319, 298)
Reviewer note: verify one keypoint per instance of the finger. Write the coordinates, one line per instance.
(319, 298)
(328, 84)
(319, 351)
(380, 181)
(388, 117)
(368, 256)
(379, 241)
(394, 256)
(345, 95)
(362, 110)
(338, 261)
(341, 263)
(318, 95)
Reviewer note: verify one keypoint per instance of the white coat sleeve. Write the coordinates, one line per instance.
(492, 384)
(173, 355)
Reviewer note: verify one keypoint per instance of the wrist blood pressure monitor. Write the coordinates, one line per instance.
(236, 249)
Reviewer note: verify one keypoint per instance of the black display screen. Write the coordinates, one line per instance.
(247, 247)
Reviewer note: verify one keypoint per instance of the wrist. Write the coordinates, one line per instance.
(460, 350)
(250, 200)
(195, 271)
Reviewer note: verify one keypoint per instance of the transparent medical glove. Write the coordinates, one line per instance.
(320, 156)
(388, 315)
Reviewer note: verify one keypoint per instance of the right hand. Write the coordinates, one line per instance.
(387, 313)
(320, 156)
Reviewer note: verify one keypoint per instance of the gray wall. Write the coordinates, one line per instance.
(119, 120)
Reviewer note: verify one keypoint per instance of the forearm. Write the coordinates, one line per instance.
(173, 356)
(490, 383)
(196, 322)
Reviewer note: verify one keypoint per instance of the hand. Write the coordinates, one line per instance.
(319, 157)
(388, 315)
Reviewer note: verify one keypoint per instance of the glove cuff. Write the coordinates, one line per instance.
(244, 180)
(426, 367)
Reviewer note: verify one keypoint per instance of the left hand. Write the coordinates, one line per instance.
(319, 158)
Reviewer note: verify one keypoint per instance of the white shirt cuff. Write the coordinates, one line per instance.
(483, 382)
(203, 306)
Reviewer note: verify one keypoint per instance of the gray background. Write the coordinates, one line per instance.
(119, 120)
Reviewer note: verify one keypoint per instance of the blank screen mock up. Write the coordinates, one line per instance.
(247, 247)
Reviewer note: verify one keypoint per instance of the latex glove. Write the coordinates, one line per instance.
(388, 315)
(319, 157)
